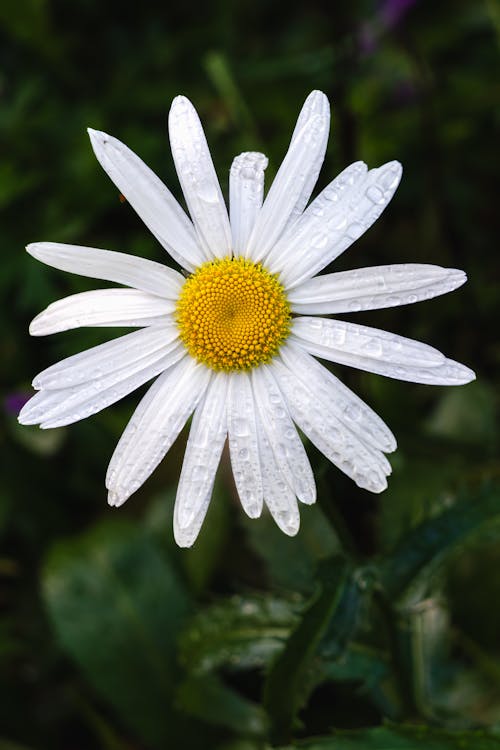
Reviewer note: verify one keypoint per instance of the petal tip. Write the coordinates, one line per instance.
(456, 277)
(35, 249)
(37, 327)
(23, 416)
(184, 537)
(469, 375)
(391, 445)
(318, 97)
(98, 138)
(115, 500)
(181, 101)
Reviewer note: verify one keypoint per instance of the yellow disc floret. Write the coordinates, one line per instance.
(233, 314)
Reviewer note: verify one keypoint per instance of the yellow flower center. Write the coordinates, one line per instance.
(232, 314)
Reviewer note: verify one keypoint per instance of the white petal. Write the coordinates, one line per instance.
(289, 186)
(378, 351)
(71, 404)
(366, 466)
(42, 401)
(278, 495)
(110, 266)
(154, 426)
(243, 443)
(203, 451)
(84, 400)
(105, 358)
(335, 220)
(150, 198)
(288, 450)
(338, 400)
(306, 238)
(372, 288)
(198, 179)
(315, 104)
(246, 191)
(102, 307)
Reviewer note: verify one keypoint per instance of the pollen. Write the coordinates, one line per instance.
(233, 315)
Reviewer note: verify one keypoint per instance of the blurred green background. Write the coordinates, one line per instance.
(383, 608)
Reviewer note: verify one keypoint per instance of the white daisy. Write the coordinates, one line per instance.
(232, 342)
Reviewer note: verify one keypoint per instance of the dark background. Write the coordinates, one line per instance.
(95, 602)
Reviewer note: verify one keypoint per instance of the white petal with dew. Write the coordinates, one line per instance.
(358, 345)
(246, 191)
(34, 409)
(106, 358)
(285, 442)
(373, 288)
(150, 198)
(107, 265)
(366, 466)
(337, 399)
(154, 426)
(203, 451)
(378, 351)
(327, 228)
(243, 443)
(288, 187)
(85, 400)
(198, 179)
(102, 307)
(278, 495)
(306, 238)
(315, 104)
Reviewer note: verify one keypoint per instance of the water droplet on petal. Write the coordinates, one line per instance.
(375, 194)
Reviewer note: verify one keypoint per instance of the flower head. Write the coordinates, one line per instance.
(232, 343)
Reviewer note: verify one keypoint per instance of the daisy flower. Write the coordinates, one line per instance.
(233, 342)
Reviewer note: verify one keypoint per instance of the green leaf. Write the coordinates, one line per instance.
(341, 624)
(200, 561)
(206, 697)
(358, 664)
(403, 738)
(466, 414)
(240, 632)
(117, 608)
(284, 687)
(419, 489)
(430, 542)
(291, 563)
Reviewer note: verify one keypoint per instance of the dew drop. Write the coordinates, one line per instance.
(240, 427)
(375, 194)
(353, 412)
(374, 347)
(319, 240)
(207, 192)
(355, 230)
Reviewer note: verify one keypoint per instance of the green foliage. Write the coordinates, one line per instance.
(117, 607)
(240, 632)
(284, 688)
(433, 540)
(291, 563)
(207, 698)
(404, 738)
